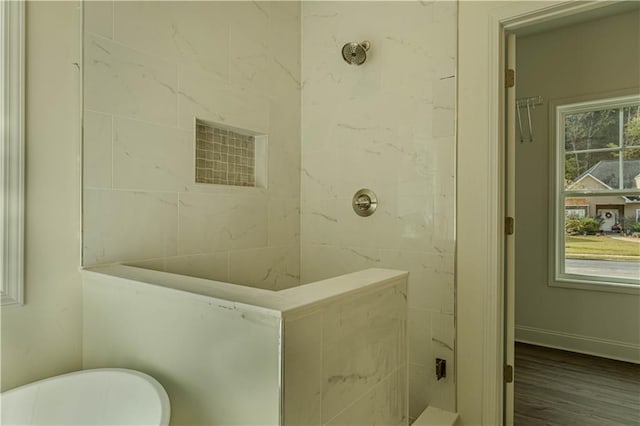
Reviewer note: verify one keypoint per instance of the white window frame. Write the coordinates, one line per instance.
(557, 275)
(583, 209)
(12, 151)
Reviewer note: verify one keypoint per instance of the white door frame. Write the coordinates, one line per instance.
(481, 194)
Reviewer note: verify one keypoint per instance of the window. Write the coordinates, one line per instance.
(12, 150)
(597, 193)
(575, 211)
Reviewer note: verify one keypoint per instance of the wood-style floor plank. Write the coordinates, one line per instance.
(560, 388)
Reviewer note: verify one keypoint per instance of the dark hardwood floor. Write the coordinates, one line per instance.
(554, 387)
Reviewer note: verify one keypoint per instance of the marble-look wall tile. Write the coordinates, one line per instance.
(283, 177)
(283, 226)
(248, 50)
(385, 404)
(404, 223)
(420, 383)
(123, 81)
(193, 33)
(321, 221)
(325, 261)
(431, 277)
(346, 362)
(387, 125)
(284, 146)
(97, 150)
(419, 331)
(219, 363)
(150, 157)
(206, 96)
(98, 17)
(213, 222)
(273, 268)
(443, 122)
(210, 266)
(303, 371)
(444, 92)
(117, 225)
(432, 336)
(284, 63)
(152, 68)
(441, 393)
(363, 342)
(313, 178)
(153, 264)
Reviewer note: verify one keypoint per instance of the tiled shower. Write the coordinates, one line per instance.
(270, 75)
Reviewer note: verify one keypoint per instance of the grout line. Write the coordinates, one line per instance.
(113, 20)
(178, 248)
(126, 117)
(113, 162)
(131, 48)
(322, 342)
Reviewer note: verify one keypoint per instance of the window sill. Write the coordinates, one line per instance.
(588, 283)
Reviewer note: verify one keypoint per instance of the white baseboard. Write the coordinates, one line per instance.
(613, 349)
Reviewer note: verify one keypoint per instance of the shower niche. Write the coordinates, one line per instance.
(227, 155)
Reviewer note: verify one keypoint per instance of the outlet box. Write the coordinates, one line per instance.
(441, 368)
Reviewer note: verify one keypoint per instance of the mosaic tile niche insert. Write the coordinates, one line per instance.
(226, 156)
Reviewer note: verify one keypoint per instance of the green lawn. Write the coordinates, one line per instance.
(601, 247)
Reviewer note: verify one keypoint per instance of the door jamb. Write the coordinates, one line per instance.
(509, 18)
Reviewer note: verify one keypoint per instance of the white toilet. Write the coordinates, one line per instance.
(105, 396)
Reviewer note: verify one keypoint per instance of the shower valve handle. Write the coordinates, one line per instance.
(363, 202)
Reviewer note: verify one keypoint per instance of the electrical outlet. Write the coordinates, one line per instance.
(441, 368)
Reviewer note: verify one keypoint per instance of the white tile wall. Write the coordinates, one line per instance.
(97, 161)
(150, 69)
(98, 17)
(213, 222)
(128, 225)
(150, 157)
(123, 81)
(195, 34)
(274, 268)
(212, 266)
(345, 364)
(387, 125)
(303, 371)
(177, 338)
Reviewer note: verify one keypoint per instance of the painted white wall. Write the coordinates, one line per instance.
(588, 59)
(43, 337)
(387, 125)
(151, 68)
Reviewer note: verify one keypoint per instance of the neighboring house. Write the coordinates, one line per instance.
(605, 176)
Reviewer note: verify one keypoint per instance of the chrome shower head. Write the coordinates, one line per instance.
(355, 53)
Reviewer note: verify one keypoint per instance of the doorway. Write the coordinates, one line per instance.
(480, 214)
(558, 62)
